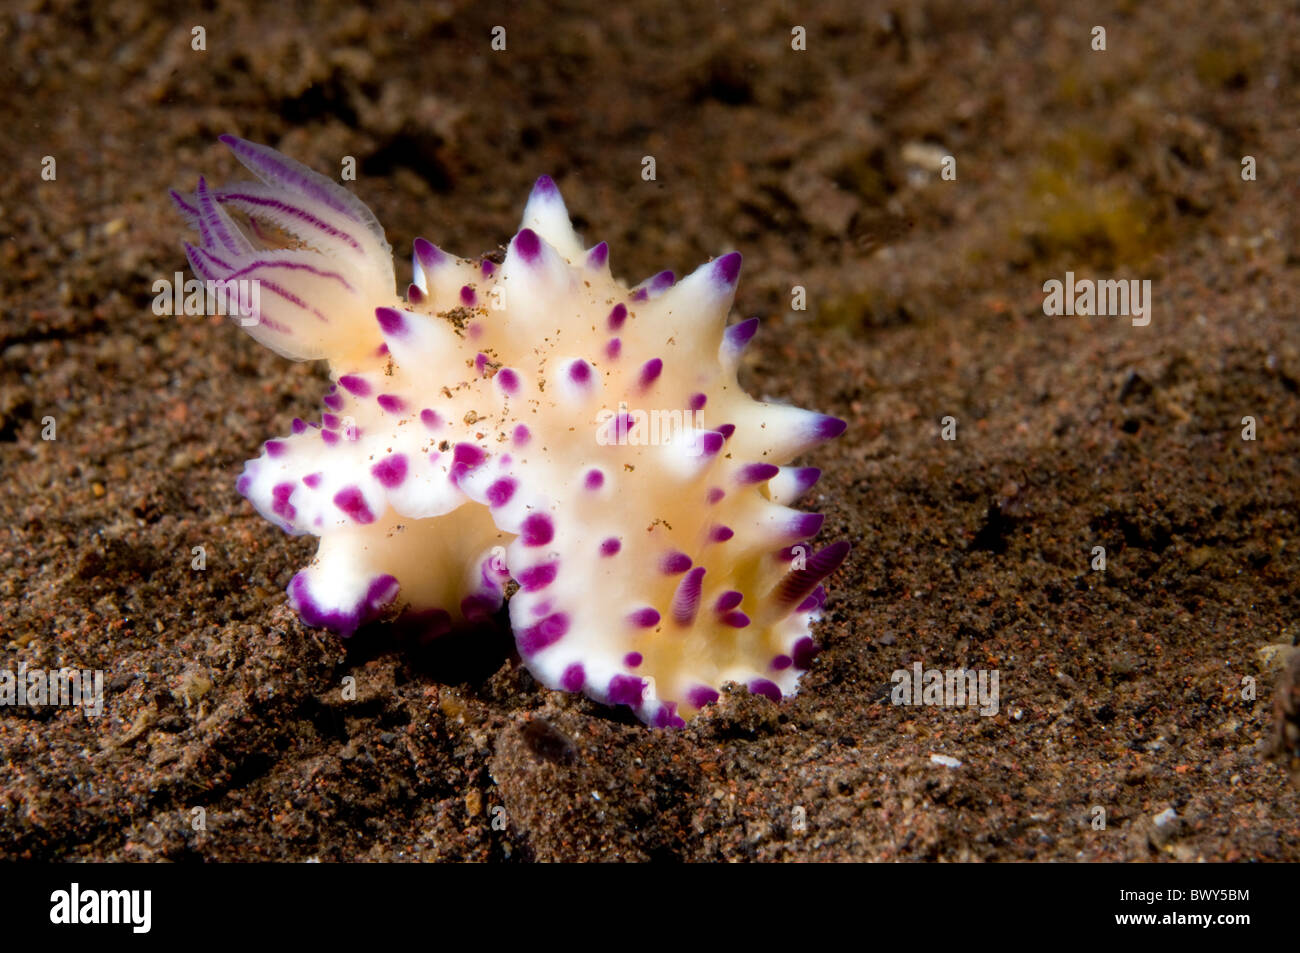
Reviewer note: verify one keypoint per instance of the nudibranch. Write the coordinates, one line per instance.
(532, 420)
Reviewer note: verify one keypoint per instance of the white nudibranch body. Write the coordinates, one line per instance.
(534, 420)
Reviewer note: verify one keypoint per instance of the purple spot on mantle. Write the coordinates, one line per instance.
(697, 401)
(737, 620)
(500, 492)
(537, 530)
(538, 577)
(613, 349)
(626, 690)
(646, 618)
(610, 546)
(598, 255)
(356, 385)
(280, 504)
(545, 633)
(469, 455)
(727, 430)
(761, 686)
(781, 663)
(804, 651)
(390, 472)
(508, 380)
(701, 695)
(528, 245)
(666, 717)
(298, 426)
(329, 436)
(620, 427)
(467, 296)
(353, 503)
(331, 421)
(720, 533)
(580, 372)
(274, 448)
(710, 442)
(633, 659)
(650, 371)
(465, 457)
(715, 495)
(594, 480)
(430, 419)
(728, 600)
(312, 479)
(574, 678)
(333, 401)
(674, 563)
(381, 591)
(521, 435)
(617, 316)
(391, 403)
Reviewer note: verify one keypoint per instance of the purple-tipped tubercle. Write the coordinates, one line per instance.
(727, 268)
(674, 563)
(757, 473)
(428, 254)
(650, 372)
(528, 245)
(739, 335)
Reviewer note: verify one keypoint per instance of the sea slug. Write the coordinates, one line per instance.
(533, 420)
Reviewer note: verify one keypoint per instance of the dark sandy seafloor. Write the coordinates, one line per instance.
(1121, 690)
